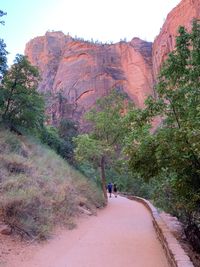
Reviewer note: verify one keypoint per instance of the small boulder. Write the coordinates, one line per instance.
(85, 211)
(5, 230)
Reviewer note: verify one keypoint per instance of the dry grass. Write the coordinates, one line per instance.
(38, 189)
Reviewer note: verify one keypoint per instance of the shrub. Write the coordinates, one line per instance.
(49, 135)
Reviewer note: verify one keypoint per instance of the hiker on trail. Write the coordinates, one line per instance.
(115, 190)
(109, 187)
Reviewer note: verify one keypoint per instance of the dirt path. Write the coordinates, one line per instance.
(122, 235)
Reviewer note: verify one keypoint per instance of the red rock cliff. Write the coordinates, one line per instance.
(182, 14)
(76, 73)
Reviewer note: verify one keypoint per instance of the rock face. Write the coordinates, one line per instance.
(183, 14)
(75, 73)
(136, 63)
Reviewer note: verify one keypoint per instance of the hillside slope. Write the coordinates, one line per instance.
(38, 189)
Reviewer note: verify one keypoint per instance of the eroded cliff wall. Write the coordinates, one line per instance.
(183, 14)
(76, 73)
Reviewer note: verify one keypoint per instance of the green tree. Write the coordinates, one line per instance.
(20, 103)
(3, 57)
(67, 129)
(60, 139)
(3, 52)
(173, 151)
(178, 103)
(102, 145)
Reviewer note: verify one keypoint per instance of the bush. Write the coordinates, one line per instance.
(49, 135)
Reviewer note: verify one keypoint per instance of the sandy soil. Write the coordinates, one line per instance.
(120, 235)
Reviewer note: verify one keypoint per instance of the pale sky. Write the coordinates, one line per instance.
(103, 20)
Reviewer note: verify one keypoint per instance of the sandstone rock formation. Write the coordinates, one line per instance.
(75, 73)
(182, 14)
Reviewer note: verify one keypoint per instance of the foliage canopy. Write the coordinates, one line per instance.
(20, 103)
(103, 144)
(3, 52)
(171, 154)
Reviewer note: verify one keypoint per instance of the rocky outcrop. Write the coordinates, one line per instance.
(182, 14)
(136, 63)
(76, 73)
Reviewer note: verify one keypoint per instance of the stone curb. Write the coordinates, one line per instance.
(176, 256)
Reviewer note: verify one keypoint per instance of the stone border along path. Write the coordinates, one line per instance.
(176, 256)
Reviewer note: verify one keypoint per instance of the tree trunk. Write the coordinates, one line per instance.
(103, 177)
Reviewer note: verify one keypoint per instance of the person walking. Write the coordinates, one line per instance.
(109, 187)
(115, 190)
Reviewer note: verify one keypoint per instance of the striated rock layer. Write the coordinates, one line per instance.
(75, 73)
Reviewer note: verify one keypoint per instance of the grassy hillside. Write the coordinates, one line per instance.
(38, 189)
